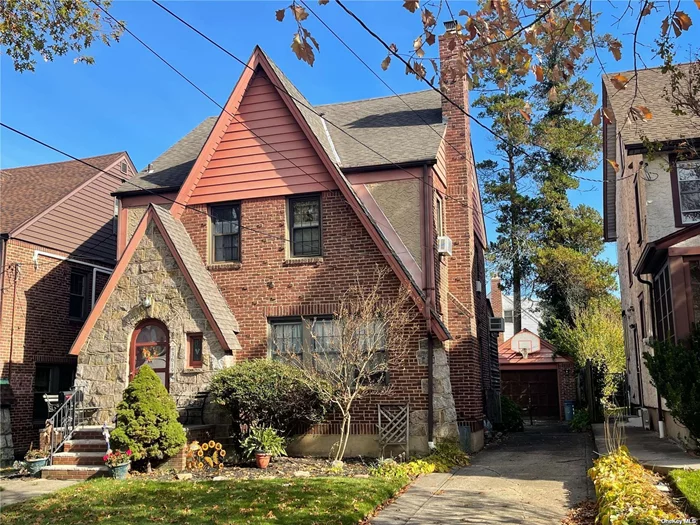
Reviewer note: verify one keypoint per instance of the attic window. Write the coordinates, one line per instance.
(508, 316)
(225, 233)
(124, 167)
(685, 177)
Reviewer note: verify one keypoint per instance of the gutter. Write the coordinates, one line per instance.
(394, 166)
(428, 252)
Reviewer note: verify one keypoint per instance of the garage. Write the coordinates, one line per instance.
(533, 388)
(535, 376)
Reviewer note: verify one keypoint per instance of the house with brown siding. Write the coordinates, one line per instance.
(57, 249)
(258, 219)
(651, 210)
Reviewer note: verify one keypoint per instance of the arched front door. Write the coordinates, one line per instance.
(150, 347)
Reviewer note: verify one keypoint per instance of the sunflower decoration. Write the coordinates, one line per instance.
(212, 444)
(200, 452)
(222, 453)
(205, 446)
(217, 446)
(221, 466)
(200, 465)
(208, 455)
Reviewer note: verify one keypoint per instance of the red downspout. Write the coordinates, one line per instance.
(428, 252)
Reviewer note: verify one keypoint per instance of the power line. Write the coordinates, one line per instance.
(301, 102)
(447, 98)
(124, 180)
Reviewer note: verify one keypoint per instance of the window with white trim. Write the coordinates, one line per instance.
(688, 180)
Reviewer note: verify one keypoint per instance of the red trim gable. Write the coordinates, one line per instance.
(121, 268)
(258, 59)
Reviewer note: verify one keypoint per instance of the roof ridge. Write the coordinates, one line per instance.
(373, 98)
(63, 161)
(641, 70)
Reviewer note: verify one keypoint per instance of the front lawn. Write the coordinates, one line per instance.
(279, 501)
(688, 482)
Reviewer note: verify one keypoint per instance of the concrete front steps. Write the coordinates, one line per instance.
(81, 457)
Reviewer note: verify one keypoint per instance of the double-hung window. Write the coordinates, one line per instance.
(508, 316)
(663, 306)
(317, 343)
(78, 295)
(686, 178)
(305, 226)
(225, 233)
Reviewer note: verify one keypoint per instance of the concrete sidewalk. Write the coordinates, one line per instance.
(21, 489)
(659, 455)
(533, 478)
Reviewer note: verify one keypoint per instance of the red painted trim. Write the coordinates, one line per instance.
(678, 294)
(119, 271)
(370, 177)
(683, 251)
(132, 349)
(123, 219)
(110, 286)
(145, 200)
(191, 363)
(258, 59)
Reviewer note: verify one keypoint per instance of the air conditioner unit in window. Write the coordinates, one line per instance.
(444, 245)
(497, 324)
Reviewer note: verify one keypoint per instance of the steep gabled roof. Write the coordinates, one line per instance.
(259, 61)
(385, 124)
(28, 191)
(652, 85)
(200, 280)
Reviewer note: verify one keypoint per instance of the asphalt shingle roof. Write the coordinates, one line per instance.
(664, 125)
(27, 191)
(217, 305)
(398, 134)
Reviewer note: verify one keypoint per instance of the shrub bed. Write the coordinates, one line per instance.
(627, 493)
(444, 458)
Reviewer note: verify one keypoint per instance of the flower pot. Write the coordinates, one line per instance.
(262, 460)
(120, 471)
(34, 466)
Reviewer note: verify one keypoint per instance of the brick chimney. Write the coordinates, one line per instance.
(467, 311)
(497, 301)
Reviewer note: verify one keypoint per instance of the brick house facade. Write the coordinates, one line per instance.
(53, 267)
(658, 246)
(264, 153)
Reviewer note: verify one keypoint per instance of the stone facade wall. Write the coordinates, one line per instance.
(103, 363)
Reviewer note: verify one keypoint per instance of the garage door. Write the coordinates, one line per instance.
(535, 388)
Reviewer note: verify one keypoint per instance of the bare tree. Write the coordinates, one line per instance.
(353, 354)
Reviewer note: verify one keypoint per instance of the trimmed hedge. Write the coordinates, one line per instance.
(627, 493)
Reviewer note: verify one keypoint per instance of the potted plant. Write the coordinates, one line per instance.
(263, 443)
(118, 463)
(35, 459)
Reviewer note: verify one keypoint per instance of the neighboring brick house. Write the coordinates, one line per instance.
(57, 247)
(651, 209)
(260, 218)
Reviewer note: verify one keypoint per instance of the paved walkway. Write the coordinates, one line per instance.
(20, 489)
(660, 455)
(533, 478)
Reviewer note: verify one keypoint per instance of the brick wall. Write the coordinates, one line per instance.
(464, 267)
(266, 283)
(42, 331)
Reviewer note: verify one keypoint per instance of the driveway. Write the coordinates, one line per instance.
(533, 478)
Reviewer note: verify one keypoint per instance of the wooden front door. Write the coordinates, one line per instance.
(538, 389)
(150, 346)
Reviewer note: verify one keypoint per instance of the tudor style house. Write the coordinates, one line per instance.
(650, 207)
(258, 220)
(57, 248)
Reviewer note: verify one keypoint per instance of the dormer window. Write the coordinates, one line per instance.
(685, 177)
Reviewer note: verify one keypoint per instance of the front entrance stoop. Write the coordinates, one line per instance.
(81, 457)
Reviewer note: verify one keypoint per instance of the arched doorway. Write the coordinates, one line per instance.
(150, 346)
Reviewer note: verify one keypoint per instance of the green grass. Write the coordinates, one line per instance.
(688, 482)
(279, 501)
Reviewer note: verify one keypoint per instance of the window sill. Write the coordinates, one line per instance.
(300, 261)
(193, 370)
(216, 267)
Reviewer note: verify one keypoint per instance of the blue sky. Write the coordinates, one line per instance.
(130, 101)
